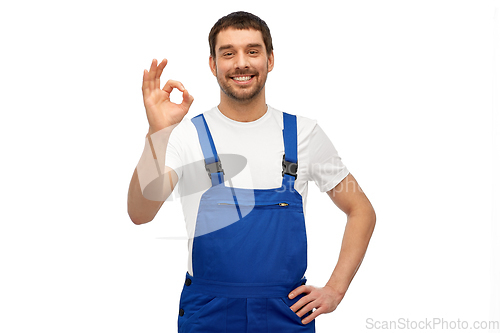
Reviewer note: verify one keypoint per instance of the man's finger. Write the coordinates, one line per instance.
(161, 66)
(300, 303)
(145, 83)
(171, 84)
(152, 75)
(311, 317)
(298, 291)
(187, 99)
(311, 304)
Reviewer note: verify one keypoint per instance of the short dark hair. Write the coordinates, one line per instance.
(240, 20)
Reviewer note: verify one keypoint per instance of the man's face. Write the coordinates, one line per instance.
(241, 63)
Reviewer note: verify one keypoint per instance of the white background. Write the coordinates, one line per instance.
(406, 90)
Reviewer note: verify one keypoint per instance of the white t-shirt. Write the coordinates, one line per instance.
(260, 142)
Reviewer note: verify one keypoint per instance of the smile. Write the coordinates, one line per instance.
(243, 79)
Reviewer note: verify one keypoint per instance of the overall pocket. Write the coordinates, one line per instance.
(282, 319)
(201, 313)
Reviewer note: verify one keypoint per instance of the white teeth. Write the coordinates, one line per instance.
(242, 78)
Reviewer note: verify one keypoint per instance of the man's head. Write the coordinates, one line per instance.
(241, 55)
(240, 21)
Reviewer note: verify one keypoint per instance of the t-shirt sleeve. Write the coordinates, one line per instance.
(325, 166)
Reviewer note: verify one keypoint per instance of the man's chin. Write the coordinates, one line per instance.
(240, 97)
(241, 94)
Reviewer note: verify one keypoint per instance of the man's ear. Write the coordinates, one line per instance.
(213, 66)
(270, 62)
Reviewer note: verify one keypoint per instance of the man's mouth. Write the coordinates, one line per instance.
(241, 79)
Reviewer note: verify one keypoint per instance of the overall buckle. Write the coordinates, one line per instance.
(289, 168)
(213, 168)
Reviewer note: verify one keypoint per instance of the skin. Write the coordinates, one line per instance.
(240, 53)
(160, 111)
(349, 198)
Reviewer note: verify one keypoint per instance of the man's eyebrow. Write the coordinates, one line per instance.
(255, 45)
(230, 46)
(225, 47)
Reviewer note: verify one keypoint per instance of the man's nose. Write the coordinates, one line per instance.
(241, 61)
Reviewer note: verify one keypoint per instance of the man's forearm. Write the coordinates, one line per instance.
(357, 234)
(152, 162)
(150, 172)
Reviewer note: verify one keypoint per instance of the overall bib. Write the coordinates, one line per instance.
(249, 251)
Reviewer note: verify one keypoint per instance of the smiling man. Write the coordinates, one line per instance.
(245, 81)
(241, 60)
(247, 239)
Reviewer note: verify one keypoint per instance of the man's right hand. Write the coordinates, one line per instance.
(161, 112)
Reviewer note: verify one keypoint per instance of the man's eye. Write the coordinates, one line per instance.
(253, 52)
(228, 54)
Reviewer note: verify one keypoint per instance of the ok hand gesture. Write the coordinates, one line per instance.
(161, 112)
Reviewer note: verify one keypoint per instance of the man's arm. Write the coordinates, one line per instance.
(152, 182)
(349, 198)
(145, 201)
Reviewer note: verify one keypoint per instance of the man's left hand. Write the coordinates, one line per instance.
(324, 300)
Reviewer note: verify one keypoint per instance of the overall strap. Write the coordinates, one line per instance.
(290, 165)
(212, 161)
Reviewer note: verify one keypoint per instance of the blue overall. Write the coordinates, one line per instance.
(249, 251)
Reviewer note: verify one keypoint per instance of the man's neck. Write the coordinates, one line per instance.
(243, 111)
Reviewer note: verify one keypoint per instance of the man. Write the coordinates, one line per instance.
(247, 241)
